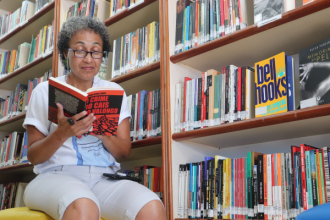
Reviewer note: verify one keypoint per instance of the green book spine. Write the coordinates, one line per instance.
(309, 179)
(1, 64)
(322, 177)
(216, 98)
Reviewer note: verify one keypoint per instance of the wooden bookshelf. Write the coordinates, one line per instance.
(36, 68)
(23, 34)
(127, 12)
(13, 124)
(15, 167)
(146, 142)
(293, 124)
(247, 46)
(132, 19)
(136, 73)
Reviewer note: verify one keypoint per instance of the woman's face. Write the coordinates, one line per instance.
(85, 68)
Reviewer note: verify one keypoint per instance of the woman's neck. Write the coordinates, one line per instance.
(81, 84)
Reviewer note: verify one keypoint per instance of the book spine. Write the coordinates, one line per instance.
(319, 187)
(322, 176)
(260, 177)
(303, 176)
(309, 180)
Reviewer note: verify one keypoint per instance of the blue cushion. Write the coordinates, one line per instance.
(320, 212)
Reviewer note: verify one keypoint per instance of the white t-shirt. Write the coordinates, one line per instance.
(87, 150)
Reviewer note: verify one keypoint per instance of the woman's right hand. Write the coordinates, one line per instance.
(66, 130)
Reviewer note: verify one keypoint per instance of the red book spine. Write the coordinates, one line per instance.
(222, 17)
(138, 116)
(240, 11)
(240, 183)
(239, 92)
(243, 187)
(196, 24)
(37, 47)
(87, 11)
(303, 175)
(326, 196)
(236, 187)
(155, 180)
(273, 182)
(8, 147)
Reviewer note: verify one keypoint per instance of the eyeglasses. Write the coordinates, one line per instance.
(83, 53)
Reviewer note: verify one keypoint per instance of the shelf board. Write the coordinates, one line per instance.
(23, 34)
(297, 29)
(136, 73)
(36, 68)
(16, 167)
(13, 124)
(146, 142)
(132, 19)
(127, 12)
(293, 124)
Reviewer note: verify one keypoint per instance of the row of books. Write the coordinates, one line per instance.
(18, 100)
(40, 46)
(88, 8)
(117, 6)
(259, 186)
(136, 49)
(13, 20)
(145, 112)
(13, 149)
(200, 21)
(149, 176)
(238, 93)
(11, 195)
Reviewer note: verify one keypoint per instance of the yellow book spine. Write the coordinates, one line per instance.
(228, 188)
(224, 189)
(111, 1)
(153, 41)
(44, 39)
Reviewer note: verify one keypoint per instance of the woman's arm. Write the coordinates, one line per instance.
(119, 146)
(40, 148)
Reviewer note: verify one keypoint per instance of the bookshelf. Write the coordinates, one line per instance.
(299, 28)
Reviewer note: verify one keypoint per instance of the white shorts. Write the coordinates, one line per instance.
(55, 189)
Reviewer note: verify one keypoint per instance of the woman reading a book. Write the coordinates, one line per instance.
(70, 164)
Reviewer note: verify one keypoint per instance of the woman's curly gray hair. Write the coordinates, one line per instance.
(75, 24)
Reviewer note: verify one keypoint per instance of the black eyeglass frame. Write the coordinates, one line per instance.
(87, 52)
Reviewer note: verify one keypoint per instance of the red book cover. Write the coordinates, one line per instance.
(202, 104)
(138, 116)
(104, 103)
(265, 185)
(239, 92)
(37, 46)
(236, 187)
(273, 182)
(8, 148)
(222, 18)
(240, 195)
(186, 79)
(243, 188)
(326, 196)
(196, 23)
(156, 179)
(303, 175)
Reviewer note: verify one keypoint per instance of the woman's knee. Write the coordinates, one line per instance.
(82, 209)
(152, 210)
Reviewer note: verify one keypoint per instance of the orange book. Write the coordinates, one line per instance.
(319, 177)
(12, 61)
(104, 103)
(307, 1)
(279, 184)
(265, 184)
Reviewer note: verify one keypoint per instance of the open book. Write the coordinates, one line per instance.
(104, 103)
